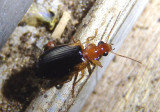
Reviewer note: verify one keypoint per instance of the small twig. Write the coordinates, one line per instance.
(61, 25)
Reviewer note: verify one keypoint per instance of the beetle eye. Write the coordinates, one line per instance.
(105, 53)
(100, 42)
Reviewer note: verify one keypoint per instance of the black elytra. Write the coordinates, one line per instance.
(59, 61)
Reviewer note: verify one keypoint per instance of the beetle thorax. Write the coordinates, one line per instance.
(93, 52)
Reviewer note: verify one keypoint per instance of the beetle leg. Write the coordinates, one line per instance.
(73, 39)
(91, 37)
(69, 79)
(74, 84)
(78, 42)
(89, 68)
(97, 63)
(79, 67)
(82, 75)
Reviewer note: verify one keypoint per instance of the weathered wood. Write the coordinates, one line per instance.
(11, 12)
(127, 86)
(102, 16)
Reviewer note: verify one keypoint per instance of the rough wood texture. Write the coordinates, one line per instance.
(126, 85)
(101, 16)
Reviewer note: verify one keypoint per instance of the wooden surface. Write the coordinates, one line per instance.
(101, 16)
(126, 85)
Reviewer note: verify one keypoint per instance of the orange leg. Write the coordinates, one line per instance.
(74, 84)
(89, 68)
(73, 39)
(91, 37)
(97, 63)
(82, 75)
(78, 42)
(79, 67)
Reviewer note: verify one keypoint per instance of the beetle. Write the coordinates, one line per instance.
(63, 62)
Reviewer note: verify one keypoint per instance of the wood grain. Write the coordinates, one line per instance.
(102, 16)
(126, 85)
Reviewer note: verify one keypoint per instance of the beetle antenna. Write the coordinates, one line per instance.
(126, 57)
(113, 27)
